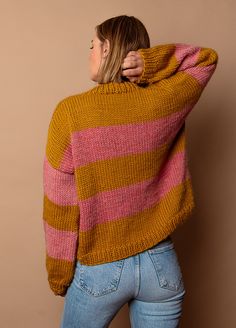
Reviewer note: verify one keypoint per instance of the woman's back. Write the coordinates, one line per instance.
(119, 152)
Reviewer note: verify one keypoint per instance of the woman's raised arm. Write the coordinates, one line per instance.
(161, 62)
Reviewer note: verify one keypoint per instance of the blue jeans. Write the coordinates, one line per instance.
(151, 282)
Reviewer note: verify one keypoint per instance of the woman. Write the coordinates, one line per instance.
(116, 179)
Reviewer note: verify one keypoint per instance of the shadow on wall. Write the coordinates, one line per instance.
(197, 241)
(122, 318)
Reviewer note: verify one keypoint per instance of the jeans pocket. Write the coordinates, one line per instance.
(99, 279)
(167, 267)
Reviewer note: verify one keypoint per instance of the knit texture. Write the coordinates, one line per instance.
(115, 171)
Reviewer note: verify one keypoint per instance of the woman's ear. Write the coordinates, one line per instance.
(105, 48)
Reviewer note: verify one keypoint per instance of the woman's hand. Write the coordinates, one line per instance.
(132, 66)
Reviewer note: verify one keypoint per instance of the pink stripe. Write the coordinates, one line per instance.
(202, 73)
(60, 187)
(112, 205)
(60, 245)
(107, 142)
(188, 55)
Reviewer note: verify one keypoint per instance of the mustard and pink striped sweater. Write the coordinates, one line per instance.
(115, 172)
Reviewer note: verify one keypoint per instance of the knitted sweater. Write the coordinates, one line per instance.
(115, 172)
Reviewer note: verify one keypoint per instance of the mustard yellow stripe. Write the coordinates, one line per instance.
(160, 60)
(58, 137)
(176, 97)
(108, 178)
(60, 273)
(155, 223)
(166, 98)
(207, 56)
(60, 217)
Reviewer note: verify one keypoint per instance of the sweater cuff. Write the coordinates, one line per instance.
(58, 289)
(156, 60)
(150, 61)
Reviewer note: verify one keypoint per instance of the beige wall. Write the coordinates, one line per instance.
(44, 50)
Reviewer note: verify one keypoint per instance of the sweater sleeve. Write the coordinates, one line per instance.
(60, 205)
(182, 69)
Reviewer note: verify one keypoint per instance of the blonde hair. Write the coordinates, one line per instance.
(125, 33)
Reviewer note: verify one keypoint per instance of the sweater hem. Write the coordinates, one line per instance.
(128, 250)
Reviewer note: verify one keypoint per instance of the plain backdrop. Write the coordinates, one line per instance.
(44, 58)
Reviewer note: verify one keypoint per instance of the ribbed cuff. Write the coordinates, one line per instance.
(58, 289)
(150, 65)
(155, 59)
